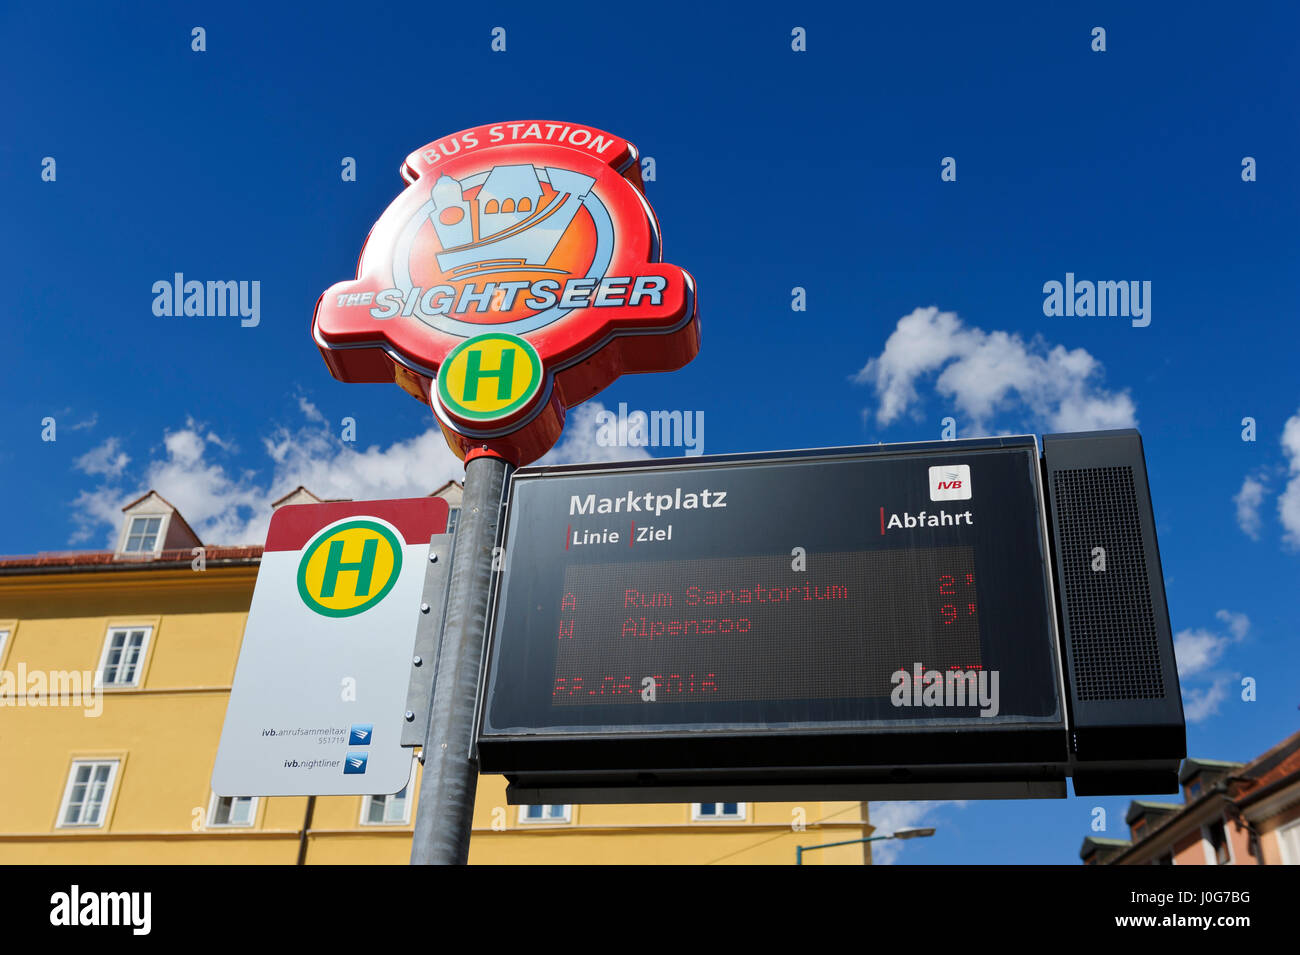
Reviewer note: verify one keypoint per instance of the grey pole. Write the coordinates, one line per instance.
(446, 808)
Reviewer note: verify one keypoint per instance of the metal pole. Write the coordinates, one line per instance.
(800, 850)
(446, 808)
(306, 828)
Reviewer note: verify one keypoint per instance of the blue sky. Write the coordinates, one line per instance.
(774, 169)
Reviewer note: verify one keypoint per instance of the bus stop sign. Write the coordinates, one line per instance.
(518, 274)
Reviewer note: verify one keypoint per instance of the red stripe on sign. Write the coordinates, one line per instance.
(631, 536)
(882, 520)
(416, 519)
(567, 529)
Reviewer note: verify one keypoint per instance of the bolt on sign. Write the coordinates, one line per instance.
(316, 707)
(518, 274)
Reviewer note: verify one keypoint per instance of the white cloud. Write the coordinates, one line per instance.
(199, 472)
(310, 411)
(889, 817)
(1238, 623)
(1198, 650)
(108, 459)
(1248, 500)
(1200, 704)
(579, 445)
(989, 373)
(1288, 503)
(229, 504)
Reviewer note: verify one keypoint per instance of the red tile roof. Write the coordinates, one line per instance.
(102, 558)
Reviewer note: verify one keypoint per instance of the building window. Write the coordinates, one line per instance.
(718, 810)
(123, 656)
(142, 538)
(1138, 828)
(4, 639)
(392, 810)
(1218, 839)
(86, 797)
(1194, 789)
(545, 813)
(453, 515)
(232, 811)
(1288, 841)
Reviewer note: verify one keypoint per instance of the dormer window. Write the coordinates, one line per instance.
(152, 527)
(142, 538)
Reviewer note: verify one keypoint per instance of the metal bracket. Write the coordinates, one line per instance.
(428, 641)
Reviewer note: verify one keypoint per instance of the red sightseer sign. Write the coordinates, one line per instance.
(518, 274)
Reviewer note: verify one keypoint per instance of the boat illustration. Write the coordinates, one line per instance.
(516, 227)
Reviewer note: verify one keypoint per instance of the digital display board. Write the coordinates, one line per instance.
(855, 590)
(737, 629)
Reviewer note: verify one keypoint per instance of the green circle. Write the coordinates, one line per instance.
(323, 536)
(534, 383)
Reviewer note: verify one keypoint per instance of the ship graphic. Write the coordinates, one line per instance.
(516, 227)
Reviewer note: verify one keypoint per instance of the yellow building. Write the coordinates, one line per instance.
(115, 669)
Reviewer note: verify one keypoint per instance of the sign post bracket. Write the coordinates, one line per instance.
(428, 641)
(450, 778)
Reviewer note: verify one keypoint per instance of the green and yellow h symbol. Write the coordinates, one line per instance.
(474, 371)
(335, 565)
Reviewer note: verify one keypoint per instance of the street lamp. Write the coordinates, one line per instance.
(900, 834)
(913, 833)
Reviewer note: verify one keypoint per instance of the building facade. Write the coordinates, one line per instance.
(1231, 814)
(115, 670)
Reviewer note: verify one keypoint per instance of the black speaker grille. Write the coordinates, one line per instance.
(1112, 629)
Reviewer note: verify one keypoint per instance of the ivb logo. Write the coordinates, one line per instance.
(349, 567)
(950, 482)
(355, 764)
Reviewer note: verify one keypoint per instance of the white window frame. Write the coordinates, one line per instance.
(113, 764)
(210, 822)
(406, 805)
(157, 542)
(139, 663)
(547, 819)
(697, 813)
(1291, 831)
(4, 642)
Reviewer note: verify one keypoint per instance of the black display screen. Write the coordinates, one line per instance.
(739, 629)
(868, 587)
